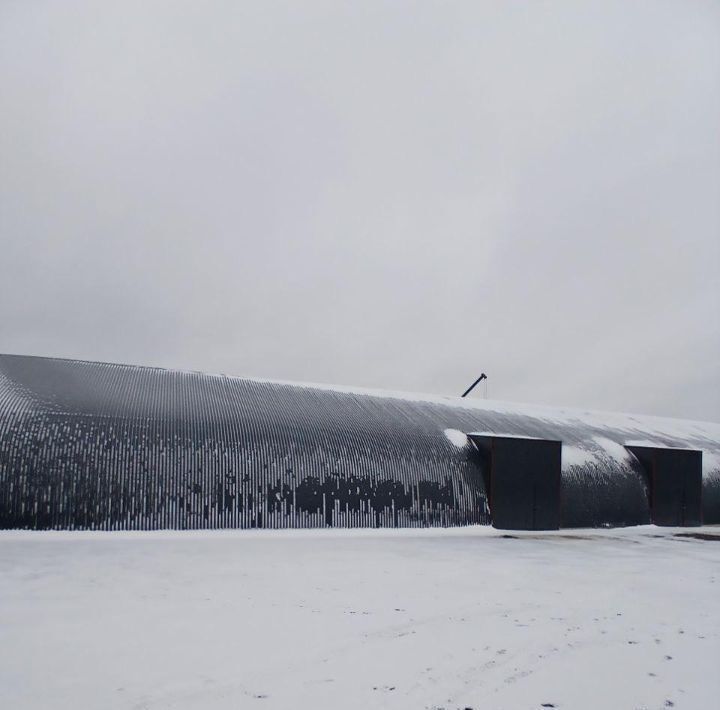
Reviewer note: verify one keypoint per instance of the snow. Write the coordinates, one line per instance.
(612, 448)
(458, 618)
(576, 456)
(456, 437)
(710, 463)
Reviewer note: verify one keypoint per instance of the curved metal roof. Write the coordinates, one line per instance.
(86, 444)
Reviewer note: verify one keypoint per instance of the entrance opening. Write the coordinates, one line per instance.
(522, 480)
(674, 484)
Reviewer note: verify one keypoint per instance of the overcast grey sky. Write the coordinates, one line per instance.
(388, 194)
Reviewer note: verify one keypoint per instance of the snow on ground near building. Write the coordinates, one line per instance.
(461, 618)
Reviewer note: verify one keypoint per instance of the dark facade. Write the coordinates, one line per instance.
(98, 446)
(522, 481)
(674, 479)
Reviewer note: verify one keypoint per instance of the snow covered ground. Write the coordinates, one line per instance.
(461, 618)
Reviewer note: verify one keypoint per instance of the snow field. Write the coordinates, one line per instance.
(460, 618)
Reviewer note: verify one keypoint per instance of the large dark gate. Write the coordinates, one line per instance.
(674, 484)
(522, 480)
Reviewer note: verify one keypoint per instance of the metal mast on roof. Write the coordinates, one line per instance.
(482, 377)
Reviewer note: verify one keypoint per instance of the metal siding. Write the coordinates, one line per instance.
(92, 445)
(85, 446)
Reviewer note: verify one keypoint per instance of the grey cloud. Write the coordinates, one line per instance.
(394, 195)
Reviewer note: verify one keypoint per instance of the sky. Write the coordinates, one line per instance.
(395, 195)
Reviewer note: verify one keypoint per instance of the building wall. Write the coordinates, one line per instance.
(91, 445)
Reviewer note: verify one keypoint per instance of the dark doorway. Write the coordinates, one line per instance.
(522, 479)
(674, 484)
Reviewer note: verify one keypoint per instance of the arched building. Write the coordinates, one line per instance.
(87, 445)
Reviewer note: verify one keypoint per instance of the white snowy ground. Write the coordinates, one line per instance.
(463, 618)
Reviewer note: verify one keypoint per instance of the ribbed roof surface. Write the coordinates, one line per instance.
(114, 446)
